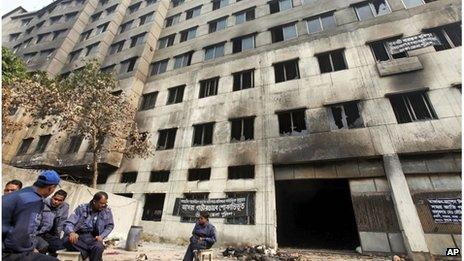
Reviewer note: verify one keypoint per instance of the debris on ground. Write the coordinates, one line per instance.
(112, 242)
(258, 253)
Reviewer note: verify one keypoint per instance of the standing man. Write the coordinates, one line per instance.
(86, 228)
(203, 236)
(54, 215)
(21, 217)
(12, 186)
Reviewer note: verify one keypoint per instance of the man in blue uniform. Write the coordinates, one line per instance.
(86, 228)
(54, 215)
(21, 217)
(203, 236)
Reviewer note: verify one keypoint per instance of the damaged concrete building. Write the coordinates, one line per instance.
(297, 104)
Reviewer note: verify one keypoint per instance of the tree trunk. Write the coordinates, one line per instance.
(96, 153)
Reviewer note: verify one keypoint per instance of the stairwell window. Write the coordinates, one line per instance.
(371, 9)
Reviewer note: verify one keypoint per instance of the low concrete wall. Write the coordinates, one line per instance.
(124, 209)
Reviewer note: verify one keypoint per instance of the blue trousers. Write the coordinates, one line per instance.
(195, 245)
(88, 246)
(49, 243)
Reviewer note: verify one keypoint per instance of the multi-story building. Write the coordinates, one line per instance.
(296, 103)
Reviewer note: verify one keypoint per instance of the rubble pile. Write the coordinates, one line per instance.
(258, 253)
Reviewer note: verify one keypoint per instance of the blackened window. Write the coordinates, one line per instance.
(283, 32)
(159, 67)
(291, 122)
(203, 134)
(199, 174)
(241, 172)
(166, 139)
(183, 60)
(243, 43)
(153, 208)
(148, 101)
(176, 94)
(24, 146)
(209, 87)
(381, 53)
(126, 195)
(244, 80)
(128, 65)
(276, 6)
(129, 177)
(331, 61)
(345, 116)
(42, 144)
(449, 35)
(102, 177)
(194, 12)
(203, 195)
(242, 129)
(159, 176)
(166, 41)
(246, 220)
(245, 16)
(411, 107)
(74, 144)
(188, 34)
(285, 71)
(372, 8)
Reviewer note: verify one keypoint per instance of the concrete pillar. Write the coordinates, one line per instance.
(408, 219)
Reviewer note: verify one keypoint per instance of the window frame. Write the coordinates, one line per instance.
(372, 8)
(203, 127)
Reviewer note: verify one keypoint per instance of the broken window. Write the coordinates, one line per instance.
(159, 176)
(449, 35)
(291, 122)
(345, 116)
(166, 41)
(209, 87)
(411, 107)
(370, 9)
(246, 220)
(214, 51)
(129, 177)
(24, 146)
(183, 60)
(242, 129)
(331, 61)
(166, 139)
(203, 134)
(285, 71)
(245, 16)
(243, 43)
(283, 32)
(203, 195)
(381, 53)
(148, 101)
(320, 23)
(153, 208)
(176, 94)
(244, 80)
(42, 144)
(188, 34)
(276, 6)
(199, 174)
(219, 4)
(217, 25)
(194, 12)
(75, 144)
(241, 172)
(159, 67)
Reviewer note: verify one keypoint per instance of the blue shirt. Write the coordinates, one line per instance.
(20, 219)
(207, 231)
(84, 220)
(53, 218)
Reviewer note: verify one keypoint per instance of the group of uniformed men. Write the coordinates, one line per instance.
(32, 223)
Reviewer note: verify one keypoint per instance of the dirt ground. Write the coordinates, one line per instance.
(167, 252)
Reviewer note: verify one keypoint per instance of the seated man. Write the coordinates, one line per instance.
(12, 186)
(21, 217)
(203, 236)
(54, 215)
(86, 228)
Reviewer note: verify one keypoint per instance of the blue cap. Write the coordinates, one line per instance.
(49, 177)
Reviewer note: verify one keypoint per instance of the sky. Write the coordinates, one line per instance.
(29, 5)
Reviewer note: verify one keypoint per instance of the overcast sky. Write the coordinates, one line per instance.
(29, 5)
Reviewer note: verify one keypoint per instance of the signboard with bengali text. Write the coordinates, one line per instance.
(412, 43)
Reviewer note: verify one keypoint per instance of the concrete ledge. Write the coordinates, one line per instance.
(374, 242)
(438, 243)
(397, 66)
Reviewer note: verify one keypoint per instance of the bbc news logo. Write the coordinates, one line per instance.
(452, 251)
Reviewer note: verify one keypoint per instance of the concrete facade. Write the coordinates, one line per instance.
(428, 151)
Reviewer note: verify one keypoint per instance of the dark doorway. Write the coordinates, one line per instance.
(315, 214)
